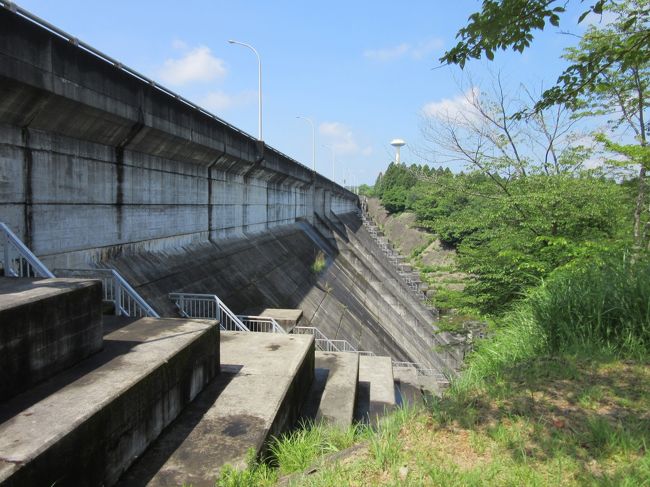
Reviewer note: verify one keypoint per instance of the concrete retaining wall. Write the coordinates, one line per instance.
(95, 162)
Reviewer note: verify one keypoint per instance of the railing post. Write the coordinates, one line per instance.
(5, 262)
(117, 289)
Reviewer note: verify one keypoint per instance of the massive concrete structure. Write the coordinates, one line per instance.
(96, 161)
(102, 167)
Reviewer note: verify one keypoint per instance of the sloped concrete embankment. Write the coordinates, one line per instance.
(421, 321)
(274, 269)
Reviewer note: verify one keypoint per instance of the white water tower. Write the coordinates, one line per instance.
(397, 143)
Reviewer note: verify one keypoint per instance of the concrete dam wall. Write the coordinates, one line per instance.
(95, 161)
(100, 166)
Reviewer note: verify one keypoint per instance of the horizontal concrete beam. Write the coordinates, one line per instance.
(96, 161)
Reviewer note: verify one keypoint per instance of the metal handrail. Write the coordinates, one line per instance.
(393, 257)
(25, 264)
(207, 306)
(421, 370)
(325, 344)
(116, 290)
(263, 324)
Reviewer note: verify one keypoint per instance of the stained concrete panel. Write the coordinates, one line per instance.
(46, 325)
(263, 383)
(88, 424)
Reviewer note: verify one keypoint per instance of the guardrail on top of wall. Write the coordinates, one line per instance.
(12, 7)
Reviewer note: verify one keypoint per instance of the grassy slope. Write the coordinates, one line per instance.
(555, 421)
(527, 410)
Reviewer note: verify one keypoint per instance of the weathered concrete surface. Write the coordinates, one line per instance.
(376, 389)
(333, 393)
(286, 318)
(46, 325)
(85, 426)
(363, 253)
(263, 382)
(274, 269)
(95, 162)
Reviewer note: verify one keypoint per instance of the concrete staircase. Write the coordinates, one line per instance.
(92, 400)
(85, 424)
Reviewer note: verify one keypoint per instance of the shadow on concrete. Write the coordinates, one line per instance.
(112, 349)
(311, 406)
(172, 437)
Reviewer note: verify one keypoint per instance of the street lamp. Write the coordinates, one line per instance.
(332, 149)
(259, 84)
(313, 139)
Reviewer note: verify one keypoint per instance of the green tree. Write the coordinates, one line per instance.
(619, 89)
(503, 24)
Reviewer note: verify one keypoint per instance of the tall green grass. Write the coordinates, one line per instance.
(607, 306)
(598, 307)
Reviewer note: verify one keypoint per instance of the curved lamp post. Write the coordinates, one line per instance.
(259, 84)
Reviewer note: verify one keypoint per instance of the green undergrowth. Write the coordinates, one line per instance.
(558, 395)
(308, 445)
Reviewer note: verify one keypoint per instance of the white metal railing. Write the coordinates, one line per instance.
(263, 324)
(116, 290)
(325, 344)
(207, 306)
(393, 257)
(17, 259)
(438, 376)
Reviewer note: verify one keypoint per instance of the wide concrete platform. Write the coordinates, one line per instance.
(263, 383)
(376, 389)
(86, 425)
(333, 392)
(286, 318)
(46, 325)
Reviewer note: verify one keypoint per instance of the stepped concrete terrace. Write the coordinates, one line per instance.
(263, 384)
(87, 424)
(333, 393)
(376, 389)
(46, 325)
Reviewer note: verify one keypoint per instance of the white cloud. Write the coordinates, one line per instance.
(418, 51)
(179, 45)
(367, 151)
(220, 101)
(198, 64)
(388, 53)
(458, 107)
(340, 138)
(424, 48)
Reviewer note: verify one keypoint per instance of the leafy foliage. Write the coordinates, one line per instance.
(509, 242)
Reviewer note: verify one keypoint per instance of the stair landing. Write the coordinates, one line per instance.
(263, 383)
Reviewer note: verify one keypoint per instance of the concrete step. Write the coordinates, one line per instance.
(376, 389)
(86, 425)
(46, 325)
(333, 392)
(407, 387)
(263, 384)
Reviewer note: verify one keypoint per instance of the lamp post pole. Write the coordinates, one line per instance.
(313, 139)
(259, 85)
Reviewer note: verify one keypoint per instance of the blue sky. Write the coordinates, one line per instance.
(363, 71)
